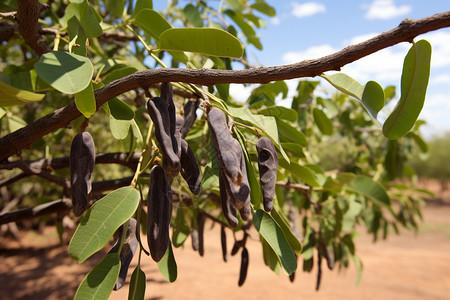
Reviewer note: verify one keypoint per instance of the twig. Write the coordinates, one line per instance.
(405, 32)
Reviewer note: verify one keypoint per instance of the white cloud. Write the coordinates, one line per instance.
(440, 79)
(240, 93)
(310, 53)
(275, 21)
(307, 9)
(386, 9)
(440, 43)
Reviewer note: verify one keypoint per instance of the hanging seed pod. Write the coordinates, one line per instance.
(157, 109)
(223, 242)
(189, 168)
(201, 228)
(268, 164)
(190, 116)
(128, 250)
(228, 210)
(159, 204)
(82, 161)
(195, 240)
(244, 266)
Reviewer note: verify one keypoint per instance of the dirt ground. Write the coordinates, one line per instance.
(408, 266)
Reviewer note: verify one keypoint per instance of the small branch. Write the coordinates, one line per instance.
(16, 141)
(62, 205)
(294, 186)
(8, 14)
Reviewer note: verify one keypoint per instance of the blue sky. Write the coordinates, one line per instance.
(311, 29)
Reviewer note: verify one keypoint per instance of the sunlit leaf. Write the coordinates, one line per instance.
(168, 266)
(12, 96)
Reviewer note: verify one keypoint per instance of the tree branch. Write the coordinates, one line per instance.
(27, 16)
(16, 141)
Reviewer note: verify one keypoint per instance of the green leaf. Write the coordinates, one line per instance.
(66, 72)
(100, 281)
(12, 96)
(280, 112)
(88, 17)
(419, 141)
(101, 220)
(208, 41)
(289, 133)
(118, 73)
(85, 101)
(266, 123)
(193, 15)
(15, 123)
(415, 75)
(368, 187)
(138, 283)
(115, 7)
(120, 118)
(142, 4)
(371, 95)
(303, 173)
(181, 229)
(274, 236)
(168, 266)
(270, 257)
(284, 225)
(324, 124)
(235, 4)
(77, 36)
(264, 8)
(152, 22)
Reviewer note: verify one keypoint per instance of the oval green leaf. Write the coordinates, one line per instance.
(284, 225)
(274, 236)
(208, 41)
(138, 283)
(120, 118)
(152, 22)
(324, 124)
(415, 75)
(289, 133)
(168, 266)
(101, 220)
(12, 96)
(85, 101)
(280, 112)
(303, 173)
(66, 72)
(100, 281)
(368, 187)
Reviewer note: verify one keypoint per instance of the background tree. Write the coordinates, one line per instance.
(89, 66)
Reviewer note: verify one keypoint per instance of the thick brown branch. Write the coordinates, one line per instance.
(405, 32)
(27, 16)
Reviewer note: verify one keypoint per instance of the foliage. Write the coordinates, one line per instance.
(337, 171)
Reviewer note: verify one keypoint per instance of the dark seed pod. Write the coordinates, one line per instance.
(244, 266)
(328, 253)
(223, 241)
(179, 126)
(228, 210)
(128, 250)
(268, 164)
(167, 95)
(190, 116)
(319, 270)
(195, 240)
(246, 210)
(82, 161)
(189, 168)
(201, 228)
(237, 245)
(159, 113)
(159, 205)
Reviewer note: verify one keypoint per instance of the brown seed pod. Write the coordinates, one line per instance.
(194, 239)
(201, 228)
(268, 164)
(189, 168)
(223, 242)
(82, 161)
(319, 270)
(228, 210)
(190, 116)
(179, 124)
(159, 205)
(128, 250)
(244, 266)
(159, 113)
(328, 253)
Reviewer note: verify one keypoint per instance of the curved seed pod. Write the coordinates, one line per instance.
(246, 210)
(179, 125)
(128, 250)
(228, 210)
(190, 116)
(237, 245)
(159, 205)
(82, 161)
(201, 228)
(268, 164)
(189, 168)
(167, 95)
(328, 253)
(244, 266)
(319, 270)
(195, 239)
(223, 241)
(157, 109)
